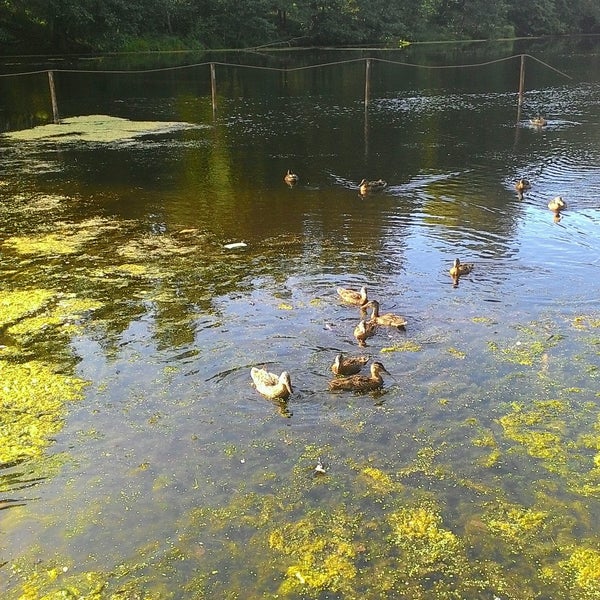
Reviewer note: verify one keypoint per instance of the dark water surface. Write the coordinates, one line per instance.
(474, 474)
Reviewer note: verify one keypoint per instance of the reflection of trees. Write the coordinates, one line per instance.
(223, 182)
(25, 101)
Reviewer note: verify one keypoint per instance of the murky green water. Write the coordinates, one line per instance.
(474, 474)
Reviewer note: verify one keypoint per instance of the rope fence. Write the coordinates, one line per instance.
(213, 65)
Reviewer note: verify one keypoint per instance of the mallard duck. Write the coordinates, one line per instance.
(271, 386)
(352, 296)
(538, 121)
(361, 383)
(349, 365)
(364, 330)
(522, 186)
(557, 204)
(386, 320)
(459, 268)
(369, 187)
(291, 178)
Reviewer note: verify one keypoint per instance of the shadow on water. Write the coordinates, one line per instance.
(143, 460)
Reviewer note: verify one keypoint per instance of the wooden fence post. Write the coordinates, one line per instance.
(522, 80)
(55, 116)
(367, 81)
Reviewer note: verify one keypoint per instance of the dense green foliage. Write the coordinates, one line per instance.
(60, 25)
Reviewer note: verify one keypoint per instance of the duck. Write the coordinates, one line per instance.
(352, 296)
(361, 383)
(270, 385)
(459, 268)
(369, 187)
(557, 204)
(538, 121)
(386, 320)
(349, 365)
(364, 330)
(291, 178)
(522, 186)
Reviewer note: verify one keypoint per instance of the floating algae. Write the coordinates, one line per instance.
(32, 397)
(517, 525)
(322, 550)
(408, 346)
(531, 348)
(15, 305)
(95, 128)
(539, 429)
(425, 544)
(65, 238)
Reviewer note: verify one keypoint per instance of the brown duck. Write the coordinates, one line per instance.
(522, 186)
(352, 296)
(386, 320)
(459, 268)
(361, 383)
(348, 365)
(270, 385)
(364, 330)
(557, 204)
(371, 187)
(291, 178)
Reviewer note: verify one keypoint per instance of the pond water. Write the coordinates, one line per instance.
(160, 472)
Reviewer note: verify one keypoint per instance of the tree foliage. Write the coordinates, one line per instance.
(61, 25)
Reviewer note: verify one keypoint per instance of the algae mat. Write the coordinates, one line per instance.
(96, 128)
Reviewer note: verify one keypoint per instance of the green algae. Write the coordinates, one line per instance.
(539, 430)
(457, 353)
(29, 313)
(321, 549)
(132, 269)
(64, 239)
(425, 544)
(530, 348)
(584, 322)
(516, 524)
(32, 397)
(17, 304)
(94, 128)
(379, 481)
(584, 564)
(157, 246)
(487, 439)
(407, 346)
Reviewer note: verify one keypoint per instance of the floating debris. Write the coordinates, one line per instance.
(234, 245)
(320, 468)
